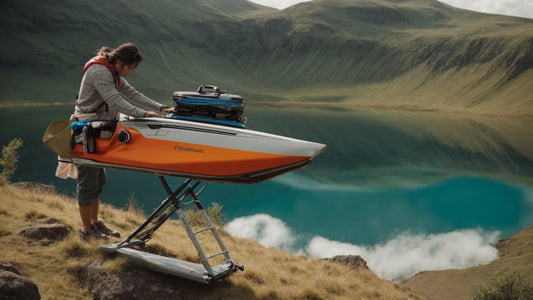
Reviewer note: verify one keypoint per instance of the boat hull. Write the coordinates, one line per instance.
(197, 150)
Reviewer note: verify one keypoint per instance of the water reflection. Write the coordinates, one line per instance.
(376, 148)
(366, 148)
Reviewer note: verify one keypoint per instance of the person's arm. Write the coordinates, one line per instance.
(134, 95)
(104, 84)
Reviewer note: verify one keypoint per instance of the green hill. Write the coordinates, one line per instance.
(515, 256)
(418, 54)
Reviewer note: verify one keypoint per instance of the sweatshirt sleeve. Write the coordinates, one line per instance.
(137, 97)
(104, 84)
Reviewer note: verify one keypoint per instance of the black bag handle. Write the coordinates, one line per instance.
(205, 87)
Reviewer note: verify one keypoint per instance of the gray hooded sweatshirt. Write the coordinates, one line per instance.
(98, 89)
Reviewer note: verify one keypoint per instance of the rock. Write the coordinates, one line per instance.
(354, 261)
(15, 286)
(35, 186)
(49, 231)
(5, 266)
(131, 283)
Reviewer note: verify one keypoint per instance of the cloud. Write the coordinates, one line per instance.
(279, 4)
(520, 8)
(266, 230)
(408, 254)
(398, 258)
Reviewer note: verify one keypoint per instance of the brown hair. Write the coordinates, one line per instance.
(127, 53)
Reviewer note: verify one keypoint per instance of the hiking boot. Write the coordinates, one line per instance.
(100, 227)
(91, 234)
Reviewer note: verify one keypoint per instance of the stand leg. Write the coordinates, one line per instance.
(171, 199)
(173, 203)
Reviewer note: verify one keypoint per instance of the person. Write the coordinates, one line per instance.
(100, 97)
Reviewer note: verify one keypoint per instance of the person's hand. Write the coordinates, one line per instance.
(150, 114)
(168, 110)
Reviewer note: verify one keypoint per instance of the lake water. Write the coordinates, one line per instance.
(408, 191)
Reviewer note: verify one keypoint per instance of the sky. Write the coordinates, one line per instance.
(519, 8)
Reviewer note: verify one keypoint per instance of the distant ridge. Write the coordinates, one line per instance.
(413, 54)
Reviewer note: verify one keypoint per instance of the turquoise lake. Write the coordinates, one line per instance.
(417, 182)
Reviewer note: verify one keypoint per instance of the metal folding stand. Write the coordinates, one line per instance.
(203, 272)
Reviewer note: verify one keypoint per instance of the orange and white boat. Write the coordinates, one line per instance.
(198, 150)
(209, 144)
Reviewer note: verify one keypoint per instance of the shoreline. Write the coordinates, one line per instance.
(381, 107)
(325, 105)
(34, 104)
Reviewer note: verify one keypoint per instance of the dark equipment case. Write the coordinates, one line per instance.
(209, 102)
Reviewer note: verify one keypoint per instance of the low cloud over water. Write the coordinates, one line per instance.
(398, 258)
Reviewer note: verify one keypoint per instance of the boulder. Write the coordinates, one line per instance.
(354, 261)
(131, 283)
(5, 266)
(15, 286)
(47, 232)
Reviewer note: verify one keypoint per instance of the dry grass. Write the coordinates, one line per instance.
(516, 255)
(269, 273)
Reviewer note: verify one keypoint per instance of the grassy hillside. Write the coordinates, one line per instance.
(516, 255)
(417, 54)
(49, 42)
(270, 273)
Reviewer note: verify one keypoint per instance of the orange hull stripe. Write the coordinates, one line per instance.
(182, 157)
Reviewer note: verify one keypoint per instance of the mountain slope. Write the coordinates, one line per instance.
(269, 273)
(418, 54)
(237, 8)
(516, 255)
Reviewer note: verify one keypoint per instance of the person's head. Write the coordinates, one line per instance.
(125, 57)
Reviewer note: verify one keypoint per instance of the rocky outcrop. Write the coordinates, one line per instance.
(49, 231)
(354, 261)
(35, 186)
(13, 285)
(131, 283)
